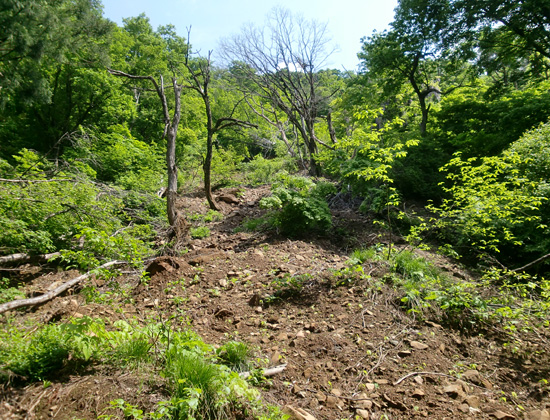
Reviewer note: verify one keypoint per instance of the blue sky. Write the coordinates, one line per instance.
(211, 20)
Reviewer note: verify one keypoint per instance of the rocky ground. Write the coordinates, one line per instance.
(350, 351)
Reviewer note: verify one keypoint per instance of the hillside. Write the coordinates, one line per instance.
(350, 347)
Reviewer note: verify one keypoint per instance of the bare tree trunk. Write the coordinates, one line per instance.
(207, 167)
(170, 132)
(331, 130)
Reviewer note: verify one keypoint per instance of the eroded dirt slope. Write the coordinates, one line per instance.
(349, 350)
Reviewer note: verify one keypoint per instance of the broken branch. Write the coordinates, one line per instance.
(14, 304)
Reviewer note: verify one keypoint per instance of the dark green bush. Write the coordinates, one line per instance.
(299, 205)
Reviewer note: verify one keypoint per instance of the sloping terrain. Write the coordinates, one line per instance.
(350, 350)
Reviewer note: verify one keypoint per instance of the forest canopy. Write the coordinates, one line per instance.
(104, 124)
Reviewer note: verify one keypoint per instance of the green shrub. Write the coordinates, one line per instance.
(491, 209)
(236, 355)
(200, 232)
(298, 206)
(261, 171)
(43, 355)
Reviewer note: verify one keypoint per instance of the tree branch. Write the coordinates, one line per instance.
(14, 304)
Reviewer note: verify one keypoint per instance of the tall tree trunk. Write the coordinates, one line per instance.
(171, 192)
(171, 135)
(207, 167)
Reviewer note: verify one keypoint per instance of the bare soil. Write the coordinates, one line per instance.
(351, 350)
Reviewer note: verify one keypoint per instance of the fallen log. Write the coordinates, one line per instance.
(14, 304)
(266, 372)
(22, 258)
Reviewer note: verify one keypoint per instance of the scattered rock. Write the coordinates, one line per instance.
(297, 413)
(228, 198)
(537, 415)
(223, 313)
(454, 391)
(501, 415)
(474, 401)
(254, 300)
(336, 392)
(163, 264)
(418, 393)
(417, 345)
(364, 414)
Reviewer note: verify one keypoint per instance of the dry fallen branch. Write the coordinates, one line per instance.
(267, 372)
(33, 181)
(22, 258)
(420, 374)
(14, 304)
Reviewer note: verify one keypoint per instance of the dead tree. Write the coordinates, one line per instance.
(171, 124)
(199, 80)
(279, 64)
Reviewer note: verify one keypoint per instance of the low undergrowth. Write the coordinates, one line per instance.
(200, 382)
(511, 300)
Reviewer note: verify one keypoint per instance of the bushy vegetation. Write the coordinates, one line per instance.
(455, 120)
(298, 205)
(198, 387)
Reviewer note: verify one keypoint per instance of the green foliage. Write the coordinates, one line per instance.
(470, 123)
(288, 286)
(299, 205)
(69, 212)
(200, 232)
(209, 217)
(36, 358)
(261, 171)
(201, 389)
(8, 293)
(236, 355)
(490, 204)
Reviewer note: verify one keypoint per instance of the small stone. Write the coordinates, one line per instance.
(321, 397)
(474, 401)
(418, 345)
(363, 402)
(297, 389)
(300, 334)
(274, 359)
(453, 391)
(472, 376)
(332, 402)
(297, 413)
(308, 373)
(418, 379)
(364, 414)
(404, 353)
(222, 282)
(258, 309)
(370, 387)
(501, 415)
(442, 348)
(418, 393)
(282, 336)
(382, 381)
(464, 408)
(336, 392)
(537, 415)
